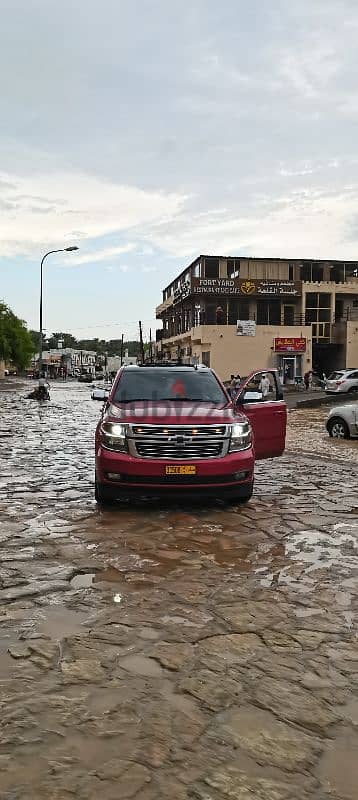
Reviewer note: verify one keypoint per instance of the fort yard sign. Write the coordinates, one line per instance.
(245, 287)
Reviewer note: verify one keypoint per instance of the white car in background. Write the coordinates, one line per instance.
(342, 381)
(342, 421)
(101, 392)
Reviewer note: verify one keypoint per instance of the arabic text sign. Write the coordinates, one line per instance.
(245, 287)
(245, 327)
(289, 344)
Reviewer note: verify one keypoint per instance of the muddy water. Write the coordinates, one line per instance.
(306, 434)
(192, 651)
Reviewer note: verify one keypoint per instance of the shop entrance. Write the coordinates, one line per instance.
(290, 368)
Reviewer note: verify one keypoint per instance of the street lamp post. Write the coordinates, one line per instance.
(62, 250)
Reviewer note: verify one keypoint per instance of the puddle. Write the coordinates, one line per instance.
(29, 625)
(59, 622)
(141, 665)
(108, 575)
(318, 443)
(83, 580)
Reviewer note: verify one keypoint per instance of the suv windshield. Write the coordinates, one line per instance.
(169, 384)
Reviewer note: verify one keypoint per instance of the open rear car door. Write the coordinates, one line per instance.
(260, 398)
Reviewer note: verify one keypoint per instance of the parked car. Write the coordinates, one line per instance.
(85, 378)
(101, 392)
(342, 381)
(342, 421)
(175, 429)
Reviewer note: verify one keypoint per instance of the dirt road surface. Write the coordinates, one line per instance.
(162, 651)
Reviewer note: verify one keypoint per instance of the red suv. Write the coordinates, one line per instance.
(176, 429)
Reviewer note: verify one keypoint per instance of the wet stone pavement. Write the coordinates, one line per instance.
(193, 652)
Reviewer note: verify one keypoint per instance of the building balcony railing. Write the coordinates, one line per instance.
(286, 320)
(180, 329)
(350, 315)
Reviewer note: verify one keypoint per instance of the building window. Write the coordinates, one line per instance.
(233, 268)
(211, 267)
(238, 310)
(350, 271)
(318, 314)
(311, 272)
(317, 273)
(205, 358)
(268, 313)
(290, 272)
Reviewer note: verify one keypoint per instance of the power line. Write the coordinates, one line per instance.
(110, 325)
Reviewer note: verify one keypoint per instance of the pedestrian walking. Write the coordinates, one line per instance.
(306, 379)
(264, 386)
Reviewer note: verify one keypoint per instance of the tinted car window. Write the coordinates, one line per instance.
(159, 384)
(335, 376)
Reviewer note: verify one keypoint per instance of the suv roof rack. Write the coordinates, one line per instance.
(178, 363)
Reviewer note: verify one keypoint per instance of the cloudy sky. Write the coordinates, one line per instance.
(148, 131)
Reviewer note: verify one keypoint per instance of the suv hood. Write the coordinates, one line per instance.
(174, 413)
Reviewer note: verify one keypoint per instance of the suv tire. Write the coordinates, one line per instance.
(243, 495)
(338, 428)
(104, 495)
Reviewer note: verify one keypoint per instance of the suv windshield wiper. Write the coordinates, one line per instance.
(186, 400)
(133, 400)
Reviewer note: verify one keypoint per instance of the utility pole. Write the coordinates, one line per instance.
(141, 341)
(150, 345)
(122, 342)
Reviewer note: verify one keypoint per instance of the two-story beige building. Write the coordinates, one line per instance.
(239, 314)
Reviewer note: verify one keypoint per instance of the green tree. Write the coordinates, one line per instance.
(67, 339)
(90, 344)
(35, 336)
(16, 344)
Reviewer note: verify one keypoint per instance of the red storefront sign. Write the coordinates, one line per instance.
(289, 344)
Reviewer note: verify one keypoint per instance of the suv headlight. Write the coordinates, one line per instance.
(240, 437)
(113, 436)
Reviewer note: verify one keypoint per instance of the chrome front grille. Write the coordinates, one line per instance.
(179, 430)
(179, 442)
(169, 450)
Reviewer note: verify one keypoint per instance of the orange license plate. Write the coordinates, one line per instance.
(181, 469)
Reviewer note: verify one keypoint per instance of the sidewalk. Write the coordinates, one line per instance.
(311, 398)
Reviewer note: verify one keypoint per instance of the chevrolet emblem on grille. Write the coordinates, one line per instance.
(183, 440)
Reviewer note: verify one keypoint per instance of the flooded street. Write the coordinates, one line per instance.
(157, 651)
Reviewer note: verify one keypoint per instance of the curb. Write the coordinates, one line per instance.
(315, 402)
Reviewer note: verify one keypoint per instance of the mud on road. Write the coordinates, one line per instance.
(156, 652)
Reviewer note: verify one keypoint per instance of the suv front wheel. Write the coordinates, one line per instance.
(242, 495)
(103, 494)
